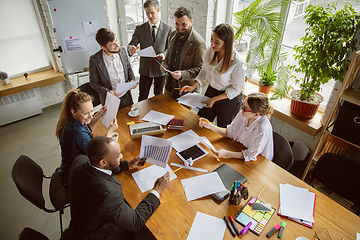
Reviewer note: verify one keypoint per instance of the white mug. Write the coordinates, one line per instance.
(135, 111)
(115, 136)
(302, 238)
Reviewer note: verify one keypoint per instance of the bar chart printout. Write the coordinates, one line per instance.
(156, 150)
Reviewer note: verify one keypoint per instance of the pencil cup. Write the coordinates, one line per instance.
(235, 198)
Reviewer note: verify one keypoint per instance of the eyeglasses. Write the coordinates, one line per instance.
(316, 237)
(244, 109)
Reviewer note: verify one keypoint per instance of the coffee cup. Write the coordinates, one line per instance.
(134, 111)
(115, 136)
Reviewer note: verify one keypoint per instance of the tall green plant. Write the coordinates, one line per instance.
(329, 37)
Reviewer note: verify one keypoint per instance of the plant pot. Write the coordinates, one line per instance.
(5, 81)
(304, 109)
(265, 89)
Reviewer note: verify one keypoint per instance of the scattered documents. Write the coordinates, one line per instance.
(297, 204)
(147, 52)
(203, 185)
(112, 104)
(193, 100)
(124, 87)
(145, 178)
(157, 117)
(156, 150)
(207, 227)
(185, 140)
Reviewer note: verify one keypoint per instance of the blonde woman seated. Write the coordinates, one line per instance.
(74, 128)
(251, 127)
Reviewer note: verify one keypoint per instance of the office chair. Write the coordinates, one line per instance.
(340, 174)
(28, 178)
(31, 234)
(92, 92)
(283, 155)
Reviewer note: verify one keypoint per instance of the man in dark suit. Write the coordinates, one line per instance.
(98, 208)
(185, 53)
(110, 66)
(151, 33)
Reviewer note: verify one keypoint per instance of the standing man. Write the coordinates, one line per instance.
(185, 54)
(98, 208)
(152, 33)
(110, 66)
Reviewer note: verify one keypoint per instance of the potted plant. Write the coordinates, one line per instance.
(267, 80)
(26, 75)
(329, 37)
(4, 78)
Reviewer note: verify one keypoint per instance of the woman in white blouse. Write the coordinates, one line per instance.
(225, 73)
(251, 127)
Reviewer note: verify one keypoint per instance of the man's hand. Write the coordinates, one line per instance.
(115, 94)
(137, 162)
(176, 74)
(133, 49)
(135, 85)
(160, 57)
(162, 182)
(162, 68)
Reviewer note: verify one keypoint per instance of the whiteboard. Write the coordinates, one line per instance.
(74, 24)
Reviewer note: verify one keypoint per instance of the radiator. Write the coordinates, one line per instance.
(19, 106)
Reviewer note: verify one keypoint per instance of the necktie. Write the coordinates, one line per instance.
(153, 32)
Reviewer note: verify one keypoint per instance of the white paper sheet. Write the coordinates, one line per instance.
(90, 29)
(145, 178)
(112, 104)
(207, 227)
(203, 185)
(295, 202)
(124, 87)
(157, 117)
(185, 140)
(74, 44)
(193, 100)
(166, 70)
(357, 236)
(156, 150)
(147, 52)
(203, 140)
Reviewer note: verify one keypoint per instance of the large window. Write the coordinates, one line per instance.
(21, 43)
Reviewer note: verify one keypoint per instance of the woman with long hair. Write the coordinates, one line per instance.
(223, 70)
(251, 127)
(74, 128)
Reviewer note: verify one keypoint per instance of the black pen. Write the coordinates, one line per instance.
(229, 226)
(234, 226)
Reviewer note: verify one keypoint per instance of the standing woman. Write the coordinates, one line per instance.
(225, 73)
(251, 127)
(74, 128)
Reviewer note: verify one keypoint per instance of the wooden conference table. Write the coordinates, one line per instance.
(175, 215)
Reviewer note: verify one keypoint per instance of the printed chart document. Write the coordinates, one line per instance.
(185, 140)
(193, 100)
(203, 185)
(112, 104)
(124, 87)
(145, 178)
(146, 52)
(157, 117)
(207, 227)
(156, 150)
(297, 203)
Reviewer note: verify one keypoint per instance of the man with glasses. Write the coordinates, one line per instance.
(151, 33)
(110, 66)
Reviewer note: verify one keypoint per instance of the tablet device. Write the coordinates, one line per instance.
(195, 152)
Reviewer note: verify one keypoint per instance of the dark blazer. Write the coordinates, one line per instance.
(98, 208)
(191, 58)
(100, 80)
(148, 66)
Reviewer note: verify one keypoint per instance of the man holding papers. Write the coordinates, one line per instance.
(110, 66)
(98, 208)
(152, 33)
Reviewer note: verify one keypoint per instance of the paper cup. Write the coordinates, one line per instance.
(115, 136)
(302, 238)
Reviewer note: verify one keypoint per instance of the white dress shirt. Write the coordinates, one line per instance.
(258, 137)
(156, 25)
(231, 82)
(115, 69)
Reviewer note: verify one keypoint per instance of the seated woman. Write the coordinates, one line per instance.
(74, 128)
(251, 127)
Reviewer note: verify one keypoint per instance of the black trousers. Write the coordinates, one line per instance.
(145, 84)
(225, 110)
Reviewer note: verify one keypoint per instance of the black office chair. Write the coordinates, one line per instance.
(283, 155)
(28, 177)
(340, 174)
(31, 234)
(89, 90)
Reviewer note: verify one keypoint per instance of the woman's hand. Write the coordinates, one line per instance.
(185, 89)
(113, 126)
(221, 153)
(203, 122)
(209, 103)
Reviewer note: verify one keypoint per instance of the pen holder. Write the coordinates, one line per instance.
(235, 198)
